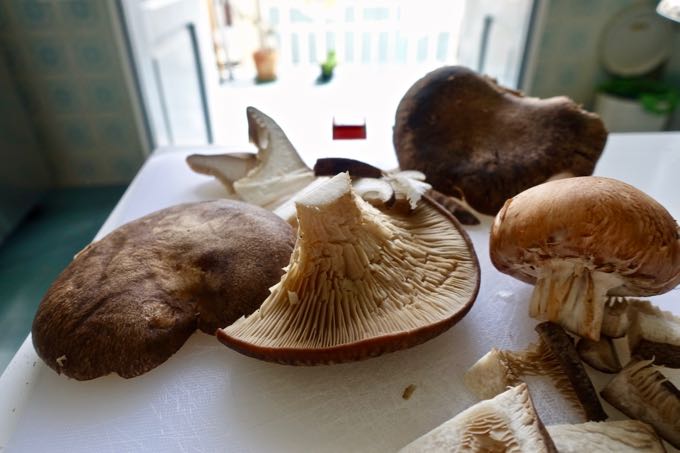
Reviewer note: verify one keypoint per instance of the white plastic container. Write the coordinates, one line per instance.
(627, 115)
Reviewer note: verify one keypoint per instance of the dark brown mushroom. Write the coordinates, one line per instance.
(128, 302)
(600, 355)
(486, 143)
(361, 282)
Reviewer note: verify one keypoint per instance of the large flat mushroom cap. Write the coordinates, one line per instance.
(475, 139)
(361, 282)
(607, 225)
(126, 303)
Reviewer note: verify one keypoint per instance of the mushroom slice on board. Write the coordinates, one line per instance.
(361, 282)
(474, 138)
(129, 301)
(622, 436)
(227, 168)
(506, 423)
(643, 393)
(579, 240)
(600, 354)
(554, 356)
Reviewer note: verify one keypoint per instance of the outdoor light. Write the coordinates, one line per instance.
(669, 9)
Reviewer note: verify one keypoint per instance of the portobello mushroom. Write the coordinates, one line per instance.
(485, 143)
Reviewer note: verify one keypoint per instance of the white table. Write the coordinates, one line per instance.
(209, 398)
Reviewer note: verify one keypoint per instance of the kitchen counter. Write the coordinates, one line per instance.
(209, 398)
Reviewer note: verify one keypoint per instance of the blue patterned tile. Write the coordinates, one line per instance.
(115, 132)
(74, 134)
(48, 57)
(94, 56)
(81, 13)
(105, 95)
(62, 96)
(36, 14)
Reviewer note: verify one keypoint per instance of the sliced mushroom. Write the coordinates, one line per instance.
(655, 334)
(225, 167)
(506, 423)
(616, 321)
(643, 393)
(361, 282)
(471, 136)
(580, 240)
(623, 436)
(128, 302)
(378, 192)
(600, 355)
(554, 356)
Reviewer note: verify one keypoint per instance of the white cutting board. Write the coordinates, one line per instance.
(209, 398)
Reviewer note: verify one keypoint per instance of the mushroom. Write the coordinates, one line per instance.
(268, 179)
(361, 282)
(227, 168)
(129, 301)
(579, 240)
(643, 393)
(484, 143)
(554, 356)
(506, 423)
(621, 436)
(600, 355)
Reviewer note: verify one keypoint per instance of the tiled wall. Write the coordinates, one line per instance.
(568, 60)
(67, 58)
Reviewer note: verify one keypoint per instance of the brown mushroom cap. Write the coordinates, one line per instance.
(128, 302)
(477, 140)
(599, 233)
(361, 282)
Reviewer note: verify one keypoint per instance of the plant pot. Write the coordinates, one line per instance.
(265, 64)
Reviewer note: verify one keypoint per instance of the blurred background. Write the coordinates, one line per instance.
(88, 89)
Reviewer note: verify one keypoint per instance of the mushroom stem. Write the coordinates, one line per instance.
(572, 295)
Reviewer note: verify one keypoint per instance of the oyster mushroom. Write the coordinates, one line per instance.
(129, 301)
(622, 436)
(506, 423)
(579, 240)
(643, 393)
(554, 356)
(484, 143)
(361, 282)
(267, 179)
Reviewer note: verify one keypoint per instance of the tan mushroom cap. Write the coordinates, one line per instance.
(584, 238)
(129, 301)
(361, 282)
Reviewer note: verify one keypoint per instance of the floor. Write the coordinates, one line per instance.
(41, 246)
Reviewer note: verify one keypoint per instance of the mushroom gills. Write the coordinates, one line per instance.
(365, 282)
(554, 356)
(643, 393)
(506, 423)
(573, 295)
(622, 436)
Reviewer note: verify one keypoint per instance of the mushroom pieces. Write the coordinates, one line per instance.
(129, 301)
(507, 422)
(267, 179)
(361, 282)
(621, 436)
(479, 141)
(643, 393)
(579, 240)
(554, 356)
